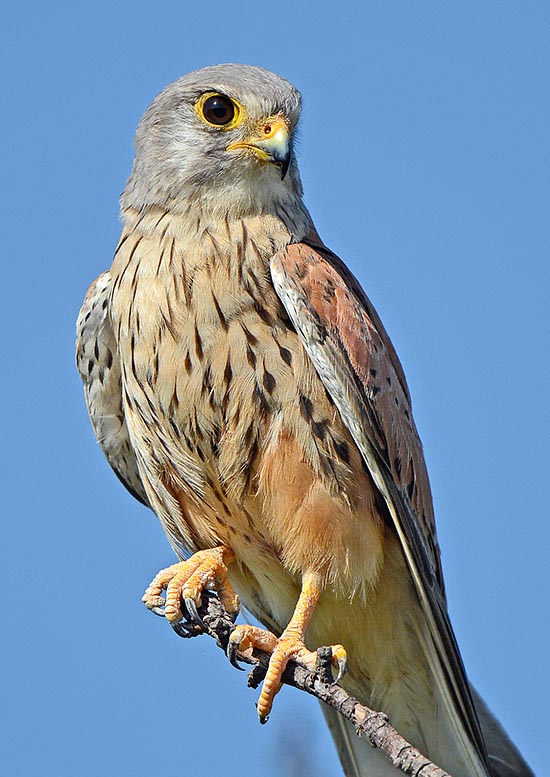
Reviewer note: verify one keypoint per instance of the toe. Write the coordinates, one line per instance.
(186, 581)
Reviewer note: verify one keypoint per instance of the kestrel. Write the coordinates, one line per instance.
(242, 385)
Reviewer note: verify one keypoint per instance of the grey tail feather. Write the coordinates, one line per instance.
(357, 756)
(504, 757)
(360, 759)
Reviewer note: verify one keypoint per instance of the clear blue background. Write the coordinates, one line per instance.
(425, 158)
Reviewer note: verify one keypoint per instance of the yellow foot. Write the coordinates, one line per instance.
(289, 647)
(205, 570)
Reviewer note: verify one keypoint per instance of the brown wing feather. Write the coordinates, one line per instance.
(357, 362)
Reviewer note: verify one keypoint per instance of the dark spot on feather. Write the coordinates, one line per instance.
(170, 325)
(174, 403)
(216, 439)
(286, 355)
(227, 229)
(196, 429)
(260, 400)
(162, 216)
(342, 450)
(328, 290)
(164, 231)
(269, 382)
(265, 315)
(319, 429)
(121, 242)
(216, 491)
(284, 319)
(175, 427)
(228, 372)
(251, 339)
(247, 538)
(147, 397)
(373, 373)
(187, 363)
(188, 442)
(250, 356)
(198, 344)
(306, 407)
(388, 380)
(410, 486)
(252, 279)
(407, 414)
(397, 465)
(108, 358)
(90, 366)
(221, 316)
(159, 264)
(375, 390)
(134, 248)
(207, 379)
(188, 287)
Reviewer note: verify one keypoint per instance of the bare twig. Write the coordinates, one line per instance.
(374, 725)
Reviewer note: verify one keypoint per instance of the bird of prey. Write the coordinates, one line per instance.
(242, 385)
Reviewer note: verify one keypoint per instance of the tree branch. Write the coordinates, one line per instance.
(374, 725)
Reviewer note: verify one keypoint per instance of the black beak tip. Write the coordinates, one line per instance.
(284, 164)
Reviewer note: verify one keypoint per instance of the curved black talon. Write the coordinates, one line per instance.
(342, 668)
(231, 653)
(191, 608)
(186, 629)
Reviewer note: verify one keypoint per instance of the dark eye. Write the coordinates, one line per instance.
(218, 110)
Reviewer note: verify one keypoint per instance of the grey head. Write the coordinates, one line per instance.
(221, 138)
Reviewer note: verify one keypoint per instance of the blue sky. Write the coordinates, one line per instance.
(425, 158)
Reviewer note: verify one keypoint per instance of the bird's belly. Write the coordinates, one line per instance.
(239, 443)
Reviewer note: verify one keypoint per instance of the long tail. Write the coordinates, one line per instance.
(360, 759)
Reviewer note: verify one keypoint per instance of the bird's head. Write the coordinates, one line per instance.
(220, 137)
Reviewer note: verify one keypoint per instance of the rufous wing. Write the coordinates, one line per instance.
(354, 357)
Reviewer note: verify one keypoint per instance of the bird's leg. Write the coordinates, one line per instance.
(290, 646)
(206, 569)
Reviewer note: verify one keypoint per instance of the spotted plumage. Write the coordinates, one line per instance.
(242, 385)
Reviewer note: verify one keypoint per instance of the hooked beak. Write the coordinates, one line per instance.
(271, 143)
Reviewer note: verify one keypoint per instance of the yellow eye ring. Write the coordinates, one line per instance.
(218, 110)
